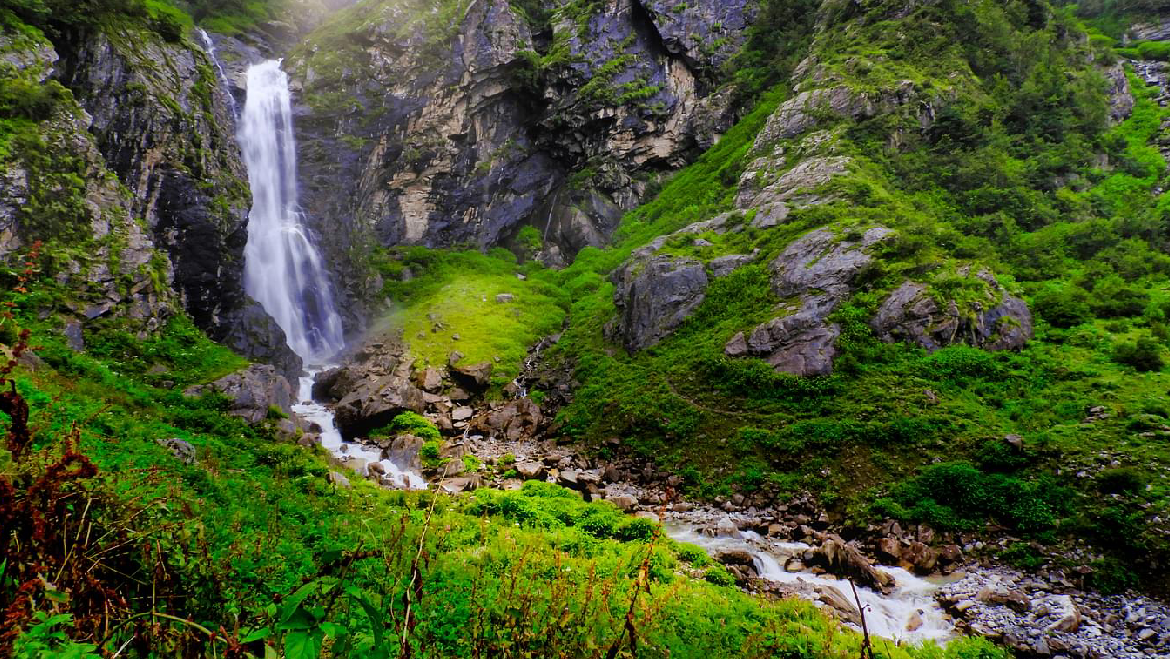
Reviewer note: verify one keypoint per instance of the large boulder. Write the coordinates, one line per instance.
(373, 385)
(654, 295)
(818, 269)
(473, 376)
(992, 320)
(253, 392)
(403, 451)
(845, 560)
(825, 262)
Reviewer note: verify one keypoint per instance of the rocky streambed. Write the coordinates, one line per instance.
(913, 584)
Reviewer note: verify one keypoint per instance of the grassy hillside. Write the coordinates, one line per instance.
(244, 546)
(1019, 172)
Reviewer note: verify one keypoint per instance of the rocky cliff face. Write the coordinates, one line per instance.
(58, 189)
(803, 190)
(164, 124)
(421, 125)
(148, 128)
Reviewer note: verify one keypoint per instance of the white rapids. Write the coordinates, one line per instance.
(283, 270)
(404, 479)
(887, 616)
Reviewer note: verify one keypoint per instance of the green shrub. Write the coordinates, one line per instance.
(1114, 298)
(429, 453)
(1122, 480)
(960, 364)
(958, 495)
(718, 575)
(1063, 306)
(471, 463)
(1144, 354)
(412, 423)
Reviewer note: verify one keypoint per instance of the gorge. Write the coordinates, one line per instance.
(583, 328)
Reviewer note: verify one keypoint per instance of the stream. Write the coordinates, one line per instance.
(909, 614)
(314, 412)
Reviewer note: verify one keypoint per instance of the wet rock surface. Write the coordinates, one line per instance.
(1041, 616)
(115, 273)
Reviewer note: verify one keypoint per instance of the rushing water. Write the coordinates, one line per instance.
(223, 79)
(331, 440)
(283, 270)
(908, 614)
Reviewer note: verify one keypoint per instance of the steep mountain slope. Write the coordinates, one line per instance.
(942, 241)
(466, 122)
(146, 103)
(908, 302)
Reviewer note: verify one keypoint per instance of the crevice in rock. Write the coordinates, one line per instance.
(643, 22)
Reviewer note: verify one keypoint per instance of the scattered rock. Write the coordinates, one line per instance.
(180, 448)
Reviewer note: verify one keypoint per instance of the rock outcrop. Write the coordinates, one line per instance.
(161, 121)
(255, 393)
(162, 124)
(56, 187)
(654, 296)
(373, 386)
(993, 320)
(481, 138)
(818, 270)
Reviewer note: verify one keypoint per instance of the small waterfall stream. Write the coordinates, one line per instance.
(283, 270)
(209, 45)
(908, 614)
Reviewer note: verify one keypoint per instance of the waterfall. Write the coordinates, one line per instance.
(223, 79)
(283, 270)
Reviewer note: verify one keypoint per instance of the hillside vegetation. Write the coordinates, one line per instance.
(138, 521)
(1021, 171)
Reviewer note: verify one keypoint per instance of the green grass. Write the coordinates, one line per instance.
(254, 539)
(458, 290)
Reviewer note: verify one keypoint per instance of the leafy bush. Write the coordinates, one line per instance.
(429, 453)
(1122, 480)
(1114, 298)
(1144, 354)
(1063, 306)
(957, 495)
(959, 364)
(718, 575)
(411, 423)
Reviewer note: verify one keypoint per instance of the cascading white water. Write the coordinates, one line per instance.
(908, 614)
(282, 270)
(223, 79)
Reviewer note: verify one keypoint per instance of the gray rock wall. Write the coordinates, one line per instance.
(463, 138)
